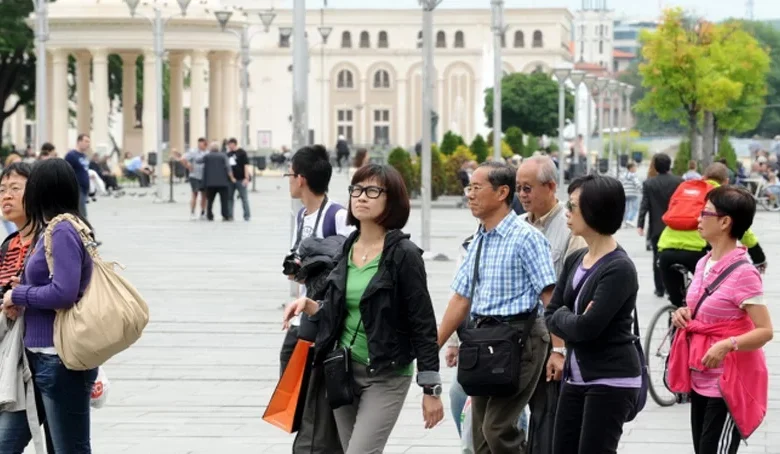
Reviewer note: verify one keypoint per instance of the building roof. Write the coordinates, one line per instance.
(622, 54)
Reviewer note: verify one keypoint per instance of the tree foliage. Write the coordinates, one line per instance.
(530, 102)
(451, 167)
(646, 121)
(450, 142)
(479, 148)
(17, 59)
(681, 159)
(402, 161)
(514, 138)
(769, 38)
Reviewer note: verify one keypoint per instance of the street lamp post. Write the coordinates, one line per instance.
(158, 28)
(602, 85)
(427, 108)
(325, 32)
(561, 75)
(612, 88)
(628, 90)
(498, 74)
(41, 36)
(576, 78)
(590, 83)
(245, 37)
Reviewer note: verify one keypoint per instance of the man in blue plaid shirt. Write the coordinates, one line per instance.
(515, 271)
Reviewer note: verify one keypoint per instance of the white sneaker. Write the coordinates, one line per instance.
(193, 217)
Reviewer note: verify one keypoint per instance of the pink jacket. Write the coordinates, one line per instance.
(746, 393)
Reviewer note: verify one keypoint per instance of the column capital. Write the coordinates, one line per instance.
(59, 55)
(99, 53)
(199, 54)
(149, 54)
(128, 57)
(82, 56)
(176, 57)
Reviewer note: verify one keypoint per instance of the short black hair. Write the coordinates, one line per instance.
(82, 136)
(602, 202)
(736, 203)
(662, 163)
(202, 140)
(397, 206)
(313, 163)
(46, 149)
(17, 168)
(233, 141)
(501, 174)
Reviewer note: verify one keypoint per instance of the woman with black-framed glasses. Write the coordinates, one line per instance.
(376, 318)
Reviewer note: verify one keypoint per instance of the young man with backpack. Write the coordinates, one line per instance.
(681, 244)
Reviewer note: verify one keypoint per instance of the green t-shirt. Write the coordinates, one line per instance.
(358, 279)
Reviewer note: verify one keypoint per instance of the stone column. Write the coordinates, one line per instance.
(176, 108)
(216, 97)
(129, 91)
(197, 97)
(59, 100)
(149, 114)
(49, 98)
(229, 95)
(363, 124)
(18, 133)
(83, 102)
(402, 114)
(100, 100)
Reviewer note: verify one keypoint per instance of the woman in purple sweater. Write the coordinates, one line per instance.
(62, 395)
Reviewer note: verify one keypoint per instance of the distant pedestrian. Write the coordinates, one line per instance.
(239, 164)
(193, 161)
(79, 161)
(217, 178)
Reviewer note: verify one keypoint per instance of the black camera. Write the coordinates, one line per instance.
(291, 264)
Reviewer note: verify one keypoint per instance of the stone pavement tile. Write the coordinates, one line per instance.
(200, 378)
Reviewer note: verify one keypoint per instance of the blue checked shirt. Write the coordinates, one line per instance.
(514, 268)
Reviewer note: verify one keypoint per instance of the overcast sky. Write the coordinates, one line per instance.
(712, 9)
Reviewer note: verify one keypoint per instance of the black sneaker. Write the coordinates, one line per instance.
(659, 293)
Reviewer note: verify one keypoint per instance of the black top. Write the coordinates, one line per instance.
(238, 162)
(656, 193)
(602, 338)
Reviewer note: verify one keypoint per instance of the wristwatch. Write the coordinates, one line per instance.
(434, 390)
(560, 351)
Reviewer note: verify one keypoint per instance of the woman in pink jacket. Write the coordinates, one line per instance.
(722, 331)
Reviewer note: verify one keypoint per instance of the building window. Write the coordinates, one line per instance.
(346, 40)
(284, 40)
(381, 79)
(519, 39)
(460, 41)
(419, 39)
(344, 124)
(381, 126)
(441, 39)
(538, 39)
(382, 41)
(601, 47)
(365, 40)
(345, 79)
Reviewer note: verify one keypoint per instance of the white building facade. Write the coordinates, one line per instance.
(593, 34)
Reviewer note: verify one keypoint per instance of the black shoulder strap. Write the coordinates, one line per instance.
(475, 275)
(302, 215)
(710, 289)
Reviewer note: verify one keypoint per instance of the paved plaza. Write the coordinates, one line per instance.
(199, 379)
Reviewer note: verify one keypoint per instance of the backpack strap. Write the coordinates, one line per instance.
(83, 231)
(329, 223)
(710, 289)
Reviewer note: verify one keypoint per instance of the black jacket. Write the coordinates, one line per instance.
(318, 257)
(603, 337)
(396, 310)
(216, 170)
(656, 193)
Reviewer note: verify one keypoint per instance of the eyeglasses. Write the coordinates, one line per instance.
(290, 175)
(571, 206)
(13, 190)
(372, 192)
(711, 214)
(526, 189)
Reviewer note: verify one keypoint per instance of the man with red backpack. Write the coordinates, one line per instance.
(681, 244)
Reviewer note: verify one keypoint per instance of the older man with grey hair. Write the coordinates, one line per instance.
(217, 177)
(537, 185)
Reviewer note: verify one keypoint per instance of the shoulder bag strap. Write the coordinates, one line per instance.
(475, 275)
(298, 238)
(710, 289)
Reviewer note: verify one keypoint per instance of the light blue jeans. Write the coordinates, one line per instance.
(632, 209)
(458, 401)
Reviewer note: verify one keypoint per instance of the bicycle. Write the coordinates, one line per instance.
(660, 348)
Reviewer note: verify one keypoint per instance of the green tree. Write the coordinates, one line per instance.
(514, 138)
(681, 159)
(450, 142)
(479, 148)
(506, 150)
(438, 175)
(532, 146)
(647, 122)
(726, 151)
(769, 38)
(17, 59)
(530, 102)
(402, 162)
(452, 165)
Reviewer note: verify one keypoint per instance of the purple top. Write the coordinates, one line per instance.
(40, 295)
(576, 375)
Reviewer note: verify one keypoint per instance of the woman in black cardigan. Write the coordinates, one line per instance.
(591, 310)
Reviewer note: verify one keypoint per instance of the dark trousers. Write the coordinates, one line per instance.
(543, 406)
(339, 157)
(658, 278)
(713, 430)
(211, 194)
(673, 280)
(590, 418)
(318, 433)
(494, 419)
(83, 204)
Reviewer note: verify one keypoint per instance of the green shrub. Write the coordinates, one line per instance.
(438, 175)
(402, 161)
(682, 158)
(532, 146)
(450, 142)
(506, 151)
(452, 165)
(726, 150)
(514, 138)
(479, 148)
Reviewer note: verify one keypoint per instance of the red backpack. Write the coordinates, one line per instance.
(686, 205)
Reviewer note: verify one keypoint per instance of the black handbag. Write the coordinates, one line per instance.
(339, 379)
(490, 354)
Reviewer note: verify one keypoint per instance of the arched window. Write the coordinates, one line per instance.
(381, 79)
(460, 41)
(441, 39)
(538, 39)
(419, 39)
(345, 79)
(365, 40)
(519, 39)
(382, 41)
(346, 40)
(601, 47)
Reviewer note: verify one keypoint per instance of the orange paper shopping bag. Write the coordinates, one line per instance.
(286, 406)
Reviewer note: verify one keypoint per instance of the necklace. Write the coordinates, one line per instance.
(367, 251)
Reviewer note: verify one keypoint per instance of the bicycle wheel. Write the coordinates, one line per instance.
(658, 344)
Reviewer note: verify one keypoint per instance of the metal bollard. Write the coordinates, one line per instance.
(171, 172)
(254, 174)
